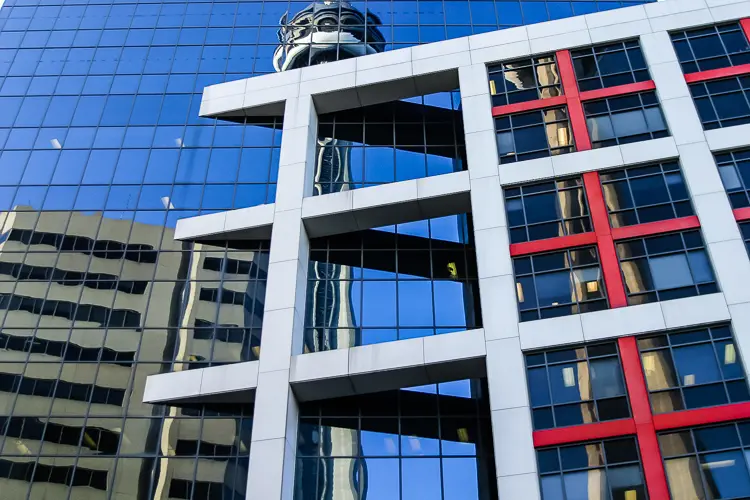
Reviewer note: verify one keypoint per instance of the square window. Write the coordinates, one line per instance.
(536, 134)
(524, 80)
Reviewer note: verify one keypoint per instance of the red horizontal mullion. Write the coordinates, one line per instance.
(715, 74)
(549, 244)
(701, 416)
(585, 432)
(629, 88)
(741, 214)
(649, 228)
(520, 107)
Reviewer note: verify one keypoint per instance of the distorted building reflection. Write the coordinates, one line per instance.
(91, 306)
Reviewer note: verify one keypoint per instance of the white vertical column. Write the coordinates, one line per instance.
(515, 458)
(720, 231)
(272, 450)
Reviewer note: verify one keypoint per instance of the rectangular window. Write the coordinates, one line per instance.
(693, 369)
(578, 385)
(722, 103)
(595, 470)
(639, 195)
(547, 210)
(734, 168)
(524, 80)
(610, 65)
(558, 284)
(745, 230)
(536, 134)
(625, 119)
(665, 267)
(385, 284)
(708, 462)
(711, 47)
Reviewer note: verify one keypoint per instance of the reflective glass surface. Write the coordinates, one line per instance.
(693, 369)
(745, 230)
(432, 442)
(708, 462)
(536, 134)
(734, 168)
(609, 65)
(397, 282)
(559, 283)
(711, 47)
(102, 152)
(524, 80)
(626, 119)
(547, 210)
(579, 385)
(722, 103)
(665, 267)
(601, 470)
(640, 195)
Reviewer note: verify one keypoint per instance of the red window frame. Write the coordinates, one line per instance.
(643, 424)
(573, 99)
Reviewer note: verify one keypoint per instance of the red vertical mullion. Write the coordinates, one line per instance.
(575, 108)
(648, 444)
(745, 24)
(606, 245)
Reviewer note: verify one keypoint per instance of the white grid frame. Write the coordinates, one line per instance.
(284, 376)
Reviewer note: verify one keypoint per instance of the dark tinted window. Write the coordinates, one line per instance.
(665, 267)
(535, 134)
(524, 80)
(713, 47)
(693, 369)
(600, 469)
(578, 385)
(708, 462)
(625, 119)
(639, 195)
(383, 284)
(734, 168)
(722, 103)
(609, 65)
(546, 210)
(559, 283)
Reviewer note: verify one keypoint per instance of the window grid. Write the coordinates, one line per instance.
(718, 379)
(524, 80)
(574, 101)
(640, 195)
(577, 275)
(651, 424)
(613, 464)
(665, 267)
(711, 48)
(722, 103)
(713, 459)
(560, 207)
(536, 134)
(611, 65)
(734, 169)
(625, 119)
(745, 230)
(581, 373)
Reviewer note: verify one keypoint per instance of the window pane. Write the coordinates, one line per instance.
(670, 271)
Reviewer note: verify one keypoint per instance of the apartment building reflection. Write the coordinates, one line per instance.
(91, 306)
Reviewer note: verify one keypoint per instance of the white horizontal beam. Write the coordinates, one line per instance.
(242, 223)
(390, 365)
(231, 383)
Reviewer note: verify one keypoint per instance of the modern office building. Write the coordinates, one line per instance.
(374, 250)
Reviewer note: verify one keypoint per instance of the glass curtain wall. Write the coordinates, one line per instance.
(101, 152)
